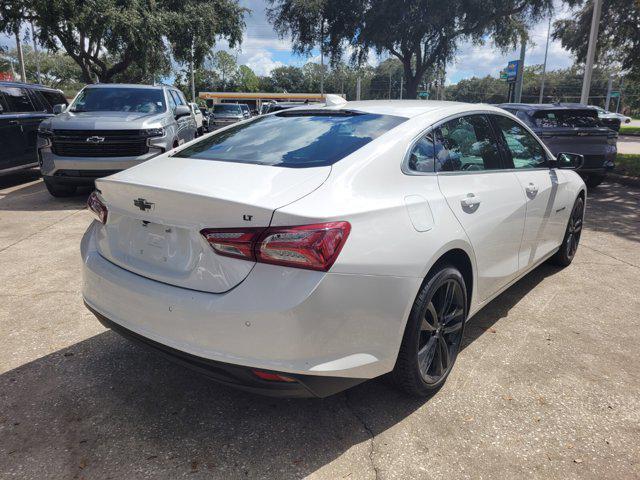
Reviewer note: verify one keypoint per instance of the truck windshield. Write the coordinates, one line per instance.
(320, 138)
(226, 108)
(104, 99)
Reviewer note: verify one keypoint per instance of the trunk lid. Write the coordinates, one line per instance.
(157, 209)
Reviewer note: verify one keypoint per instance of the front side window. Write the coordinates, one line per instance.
(53, 98)
(119, 99)
(17, 99)
(466, 144)
(422, 155)
(294, 139)
(524, 149)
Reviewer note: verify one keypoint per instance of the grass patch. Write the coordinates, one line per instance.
(629, 130)
(628, 164)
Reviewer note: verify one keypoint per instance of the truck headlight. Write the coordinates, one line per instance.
(154, 132)
(45, 132)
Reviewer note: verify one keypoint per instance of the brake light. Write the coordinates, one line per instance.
(272, 377)
(313, 247)
(97, 208)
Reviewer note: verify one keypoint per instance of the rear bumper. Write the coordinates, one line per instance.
(278, 319)
(235, 376)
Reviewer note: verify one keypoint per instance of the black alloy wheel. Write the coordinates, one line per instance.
(566, 252)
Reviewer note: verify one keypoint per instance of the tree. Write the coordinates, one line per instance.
(618, 33)
(225, 65)
(130, 39)
(422, 34)
(247, 80)
(288, 79)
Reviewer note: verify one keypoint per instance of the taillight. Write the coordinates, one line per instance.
(97, 208)
(313, 247)
(272, 377)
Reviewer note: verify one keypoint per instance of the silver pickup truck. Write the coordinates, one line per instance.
(108, 128)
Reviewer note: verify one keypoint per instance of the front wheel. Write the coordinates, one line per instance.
(433, 333)
(569, 247)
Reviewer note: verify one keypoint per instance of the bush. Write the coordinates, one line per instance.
(628, 164)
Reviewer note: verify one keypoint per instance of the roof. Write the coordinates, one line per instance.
(410, 108)
(124, 85)
(546, 106)
(261, 95)
(24, 84)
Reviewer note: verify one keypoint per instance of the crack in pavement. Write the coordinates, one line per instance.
(611, 256)
(39, 231)
(372, 435)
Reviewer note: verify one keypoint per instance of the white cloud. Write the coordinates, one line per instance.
(262, 62)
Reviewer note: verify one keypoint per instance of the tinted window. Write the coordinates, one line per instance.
(567, 119)
(172, 101)
(320, 138)
(524, 149)
(143, 100)
(421, 158)
(226, 108)
(17, 99)
(466, 144)
(4, 108)
(53, 98)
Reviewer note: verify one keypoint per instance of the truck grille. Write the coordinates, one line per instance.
(114, 143)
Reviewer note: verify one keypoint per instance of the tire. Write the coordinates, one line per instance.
(430, 345)
(593, 181)
(200, 132)
(564, 256)
(60, 191)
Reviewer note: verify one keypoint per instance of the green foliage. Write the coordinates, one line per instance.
(422, 34)
(129, 40)
(629, 130)
(246, 80)
(628, 164)
(618, 35)
(288, 79)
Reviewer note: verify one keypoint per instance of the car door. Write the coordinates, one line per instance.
(10, 136)
(486, 199)
(541, 187)
(186, 132)
(18, 110)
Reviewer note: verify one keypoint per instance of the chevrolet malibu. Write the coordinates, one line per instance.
(303, 252)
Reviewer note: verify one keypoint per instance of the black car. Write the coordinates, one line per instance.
(22, 107)
(572, 128)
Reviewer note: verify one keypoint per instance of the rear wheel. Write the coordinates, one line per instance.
(57, 190)
(593, 181)
(564, 256)
(433, 334)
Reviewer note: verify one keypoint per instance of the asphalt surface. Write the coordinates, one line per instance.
(547, 386)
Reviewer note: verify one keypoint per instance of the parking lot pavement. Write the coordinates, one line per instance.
(547, 386)
(628, 144)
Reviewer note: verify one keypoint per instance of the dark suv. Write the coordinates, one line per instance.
(572, 128)
(22, 107)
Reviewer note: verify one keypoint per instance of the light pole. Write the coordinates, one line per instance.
(519, 78)
(591, 51)
(544, 65)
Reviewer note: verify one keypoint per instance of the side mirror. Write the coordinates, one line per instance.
(59, 108)
(570, 161)
(182, 111)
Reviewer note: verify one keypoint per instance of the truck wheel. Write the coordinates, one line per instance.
(58, 191)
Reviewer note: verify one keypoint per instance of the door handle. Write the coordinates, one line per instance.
(532, 190)
(470, 201)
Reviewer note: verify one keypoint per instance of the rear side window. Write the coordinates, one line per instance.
(421, 158)
(466, 144)
(297, 140)
(567, 119)
(17, 99)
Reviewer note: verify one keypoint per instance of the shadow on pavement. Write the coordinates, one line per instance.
(613, 208)
(105, 408)
(25, 191)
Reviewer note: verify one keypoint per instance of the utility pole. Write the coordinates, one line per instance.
(23, 75)
(389, 84)
(193, 75)
(609, 87)
(591, 51)
(36, 53)
(358, 84)
(401, 82)
(322, 57)
(519, 78)
(544, 65)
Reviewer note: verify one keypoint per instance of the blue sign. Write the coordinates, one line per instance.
(512, 70)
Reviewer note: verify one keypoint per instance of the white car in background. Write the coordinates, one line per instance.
(602, 113)
(304, 252)
(197, 114)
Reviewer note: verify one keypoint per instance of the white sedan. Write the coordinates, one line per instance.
(306, 251)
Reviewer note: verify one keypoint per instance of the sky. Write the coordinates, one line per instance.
(262, 50)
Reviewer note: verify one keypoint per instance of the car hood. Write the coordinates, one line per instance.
(106, 120)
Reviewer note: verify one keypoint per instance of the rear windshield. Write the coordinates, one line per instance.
(119, 99)
(566, 119)
(226, 108)
(294, 139)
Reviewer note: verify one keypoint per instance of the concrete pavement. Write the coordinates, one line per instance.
(547, 386)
